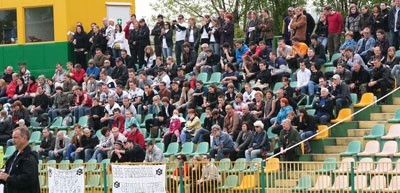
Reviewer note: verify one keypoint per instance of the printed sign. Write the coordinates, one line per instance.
(66, 181)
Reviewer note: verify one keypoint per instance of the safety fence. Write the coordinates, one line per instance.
(348, 175)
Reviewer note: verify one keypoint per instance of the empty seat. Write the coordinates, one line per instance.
(396, 169)
(360, 182)
(394, 185)
(341, 183)
(322, 133)
(377, 183)
(371, 148)
(344, 166)
(328, 166)
(272, 165)
(393, 133)
(230, 182)
(396, 118)
(365, 165)
(389, 149)
(353, 149)
(248, 182)
(344, 114)
(305, 182)
(321, 183)
(377, 132)
(384, 165)
(366, 99)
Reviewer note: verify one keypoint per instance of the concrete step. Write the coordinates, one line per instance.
(286, 183)
(358, 132)
(389, 108)
(344, 141)
(322, 157)
(369, 124)
(396, 101)
(381, 116)
(335, 149)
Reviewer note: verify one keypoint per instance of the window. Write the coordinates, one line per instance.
(8, 26)
(39, 24)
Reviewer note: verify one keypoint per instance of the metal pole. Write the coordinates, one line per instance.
(105, 178)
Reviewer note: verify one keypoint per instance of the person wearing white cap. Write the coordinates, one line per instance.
(340, 93)
(172, 135)
(259, 142)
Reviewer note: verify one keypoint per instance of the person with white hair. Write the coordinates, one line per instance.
(323, 106)
(259, 142)
(288, 137)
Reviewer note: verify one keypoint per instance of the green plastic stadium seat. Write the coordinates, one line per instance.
(160, 146)
(91, 165)
(56, 123)
(214, 79)
(139, 118)
(147, 117)
(277, 86)
(230, 182)
(377, 132)
(9, 151)
(83, 121)
(354, 99)
(353, 149)
(77, 163)
(304, 183)
(330, 69)
(35, 137)
(202, 148)
(334, 57)
(311, 111)
(64, 165)
(203, 77)
(240, 165)
(187, 148)
(328, 166)
(98, 134)
(224, 165)
(396, 118)
(173, 149)
(255, 165)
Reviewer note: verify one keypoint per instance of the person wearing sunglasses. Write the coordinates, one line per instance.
(181, 170)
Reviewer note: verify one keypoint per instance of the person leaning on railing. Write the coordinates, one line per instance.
(210, 177)
(287, 138)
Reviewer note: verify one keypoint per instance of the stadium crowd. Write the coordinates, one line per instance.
(201, 85)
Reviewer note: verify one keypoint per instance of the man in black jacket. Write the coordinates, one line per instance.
(120, 72)
(156, 32)
(323, 106)
(88, 142)
(21, 169)
(143, 37)
(380, 78)
(359, 79)
(40, 104)
(189, 58)
(340, 93)
(394, 25)
(47, 143)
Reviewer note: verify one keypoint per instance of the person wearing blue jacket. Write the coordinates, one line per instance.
(259, 143)
(222, 143)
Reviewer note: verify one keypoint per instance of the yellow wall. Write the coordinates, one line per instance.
(66, 14)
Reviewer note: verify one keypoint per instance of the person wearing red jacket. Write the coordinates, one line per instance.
(11, 89)
(129, 26)
(136, 135)
(335, 26)
(118, 120)
(77, 73)
(254, 50)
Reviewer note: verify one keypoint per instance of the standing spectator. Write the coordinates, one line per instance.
(157, 33)
(394, 25)
(118, 42)
(310, 26)
(323, 106)
(222, 143)
(322, 31)
(167, 43)
(228, 30)
(180, 35)
(204, 30)
(97, 41)
(133, 44)
(81, 46)
(192, 35)
(335, 26)
(130, 26)
(299, 25)
(143, 41)
(267, 28)
(58, 153)
(353, 22)
(252, 28)
(366, 18)
(286, 33)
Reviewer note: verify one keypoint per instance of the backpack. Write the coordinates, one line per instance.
(68, 120)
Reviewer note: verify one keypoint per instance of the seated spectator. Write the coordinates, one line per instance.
(5, 127)
(284, 109)
(108, 66)
(316, 74)
(392, 59)
(288, 91)
(238, 104)
(162, 79)
(340, 93)
(365, 44)
(263, 78)
(299, 50)
(107, 80)
(306, 127)
(105, 145)
(47, 143)
(303, 78)
(171, 68)
(254, 49)
(131, 152)
(212, 96)
(269, 108)
(135, 93)
(222, 143)
(74, 143)
(19, 112)
(200, 94)
(257, 105)
(318, 50)
(106, 94)
(189, 57)
(230, 93)
(96, 113)
(11, 88)
(118, 135)
(243, 141)
(191, 127)
(153, 153)
(324, 107)
(186, 99)
(93, 69)
(201, 58)
(108, 118)
(248, 94)
(88, 143)
(240, 50)
(118, 120)
(136, 136)
(60, 105)
(250, 67)
(248, 116)
(259, 142)
(83, 102)
(129, 120)
(287, 138)
(212, 62)
(349, 42)
(342, 71)
(77, 74)
(231, 122)
(377, 53)
(31, 91)
(162, 119)
(58, 153)
(40, 105)
(380, 78)
(173, 133)
(128, 106)
(230, 76)
(278, 66)
(20, 91)
(7, 75)
(120, 94)
(67, 86)
(210, 177)
(3, 88)
(293, 119)
(203, 134)
(120, 72)
(176, 92)
(313, 59)
(359, 79)
(163, 91)
(228, 55)
(265, 50)
(283, 50)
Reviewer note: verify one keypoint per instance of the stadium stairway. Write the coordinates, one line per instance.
(339, 138)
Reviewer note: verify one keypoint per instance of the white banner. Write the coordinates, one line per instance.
(66, 181)
(138, 178)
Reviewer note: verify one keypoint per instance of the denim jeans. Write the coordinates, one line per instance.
(220, 153)
(312, 87)
(394, 39)
(80, 112)
(88, 154)
(198, 135)
(323, 41)
(185, 136)
(396, 72)
(99, 155)
(215, 48)
(167, 52)
(304, 135)
(61, 154)
(178, 51)
(252, 154)
(70, 151)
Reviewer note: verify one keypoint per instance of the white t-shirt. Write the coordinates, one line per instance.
(191, 36)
